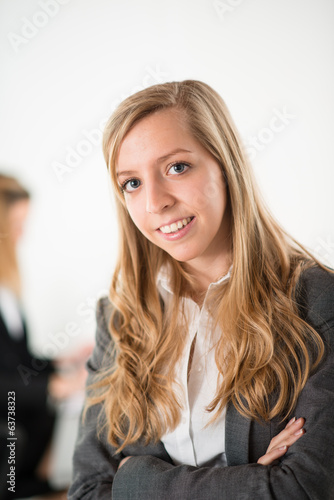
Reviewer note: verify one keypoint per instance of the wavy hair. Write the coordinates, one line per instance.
(11, 192)
(266, 351)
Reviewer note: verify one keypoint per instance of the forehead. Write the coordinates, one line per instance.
(154, 135)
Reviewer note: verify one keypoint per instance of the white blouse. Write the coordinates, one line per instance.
(193, 442)
(11, 312)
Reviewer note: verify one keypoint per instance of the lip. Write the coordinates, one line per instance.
(173, 221)
(178, 234)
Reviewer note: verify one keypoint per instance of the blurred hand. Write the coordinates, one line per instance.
(63, 385)
(75, 359)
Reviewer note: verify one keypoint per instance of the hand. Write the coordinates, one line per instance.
(63, 385)
(75, 359)
(279, 444)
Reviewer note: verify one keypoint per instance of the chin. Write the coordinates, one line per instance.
(180, 257)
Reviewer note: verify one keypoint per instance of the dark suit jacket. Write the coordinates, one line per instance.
(305, 472)
(21, 372)
(26, 376)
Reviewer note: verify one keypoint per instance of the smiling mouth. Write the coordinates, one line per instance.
(176, 226)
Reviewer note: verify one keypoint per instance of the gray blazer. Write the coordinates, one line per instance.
(305, 472)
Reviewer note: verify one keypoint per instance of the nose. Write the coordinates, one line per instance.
(158, 197)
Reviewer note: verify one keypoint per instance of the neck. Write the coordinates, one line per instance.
(207, 273)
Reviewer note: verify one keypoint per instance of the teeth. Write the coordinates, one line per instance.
(175, 226)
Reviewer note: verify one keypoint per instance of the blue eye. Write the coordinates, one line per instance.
(179, 167)
(130, 185)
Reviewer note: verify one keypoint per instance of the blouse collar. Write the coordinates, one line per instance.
(163, 278)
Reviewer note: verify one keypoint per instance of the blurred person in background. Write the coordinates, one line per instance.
(33, 384)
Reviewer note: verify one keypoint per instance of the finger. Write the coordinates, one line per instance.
(293, 420)
(289, 435)
(123, 461)
(279, 451)
(286, 439)
(294, 424)
(290, 440)
(272, 455)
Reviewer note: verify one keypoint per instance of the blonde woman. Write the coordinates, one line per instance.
(212, 375)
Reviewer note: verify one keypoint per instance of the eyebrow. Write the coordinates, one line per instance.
(159, 160)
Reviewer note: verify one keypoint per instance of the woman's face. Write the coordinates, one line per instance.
(174, 189)
(17, 215)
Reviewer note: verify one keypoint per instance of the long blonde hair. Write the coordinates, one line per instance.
(11, 192)
(264, 348)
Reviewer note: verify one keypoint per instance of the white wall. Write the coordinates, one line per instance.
(61, 80)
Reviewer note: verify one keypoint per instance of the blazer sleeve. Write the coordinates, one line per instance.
(307, 469)
(94, 460)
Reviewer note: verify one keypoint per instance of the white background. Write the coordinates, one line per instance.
(67, 64)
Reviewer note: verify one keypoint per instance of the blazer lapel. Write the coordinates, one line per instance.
(237, 429)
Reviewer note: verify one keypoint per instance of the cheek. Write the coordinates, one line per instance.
(207, 195)
(136, 215)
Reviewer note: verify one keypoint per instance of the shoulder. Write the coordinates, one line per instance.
(315, 297)
(103, 312)
(104, 344)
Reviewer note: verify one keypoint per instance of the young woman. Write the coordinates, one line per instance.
(212, 375)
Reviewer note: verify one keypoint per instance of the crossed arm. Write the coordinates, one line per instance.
(278, 445)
